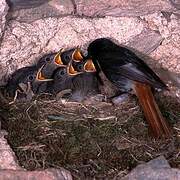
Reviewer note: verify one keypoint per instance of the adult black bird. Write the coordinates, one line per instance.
(127, 71)
(26, 80)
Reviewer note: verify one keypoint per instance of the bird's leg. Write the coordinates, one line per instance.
(119, 98)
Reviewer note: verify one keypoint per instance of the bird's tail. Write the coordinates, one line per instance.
(156, 121)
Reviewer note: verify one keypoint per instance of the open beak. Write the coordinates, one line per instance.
(40, 77)
(57, 58)
(89, 66)
(77, 55)
(71, 71)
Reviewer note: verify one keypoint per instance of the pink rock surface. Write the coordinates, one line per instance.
(3, 12)
(121, 7)
(48, 174)
(7, 157)
(23, 43)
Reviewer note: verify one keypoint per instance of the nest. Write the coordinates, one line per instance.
(93, 139)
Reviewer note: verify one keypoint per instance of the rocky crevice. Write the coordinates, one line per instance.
(26, 34)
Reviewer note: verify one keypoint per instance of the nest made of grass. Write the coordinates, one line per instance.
(91, 140)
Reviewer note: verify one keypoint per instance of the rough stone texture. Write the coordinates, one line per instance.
(121, 7)
(7, 156)
(64, 7)
(175, 3)
(168, 54)
(48, 174)
(177, 14)
(3, 13)
(156, 169)
(44, 27)
(54, 8)
(23, 43)
(25, 4)
(146, 42)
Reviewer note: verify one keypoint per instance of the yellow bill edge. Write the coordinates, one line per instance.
(58, 60)
(71, 71)
(77, 55)
(89, 66)
(40, 77)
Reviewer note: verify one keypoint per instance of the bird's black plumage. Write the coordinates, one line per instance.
(61, 81)
(46, 59)
(81, 83)
(52, 61)
(24, 76)
(121, 66)
(66, 56)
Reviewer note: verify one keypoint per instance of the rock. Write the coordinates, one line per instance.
(146, 42)
(121, 7)
(25, 4)
(156, 34)
(175, 3)
(64, 7)
(156, 169)
(23, 43)
(3, 13)
(168, 53)
(48, 174)
(7, 157)
(54, 8)
(159, 162)
(177, 14)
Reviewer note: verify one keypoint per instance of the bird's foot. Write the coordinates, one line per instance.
(117, 100)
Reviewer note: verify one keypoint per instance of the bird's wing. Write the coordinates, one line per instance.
(127, 64)
(132, 72)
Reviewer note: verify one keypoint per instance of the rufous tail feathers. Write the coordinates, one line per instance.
(157, 123)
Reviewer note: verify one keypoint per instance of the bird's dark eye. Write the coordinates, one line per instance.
(66, 57)
(47, 59)
(61, 73)
(80, 67)
(30, 77)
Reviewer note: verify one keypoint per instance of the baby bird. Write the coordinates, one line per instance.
(26, 80)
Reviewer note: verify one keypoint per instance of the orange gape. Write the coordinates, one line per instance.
(158, 125)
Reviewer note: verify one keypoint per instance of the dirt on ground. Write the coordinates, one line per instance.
(92, 140)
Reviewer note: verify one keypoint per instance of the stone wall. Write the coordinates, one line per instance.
(28, 31)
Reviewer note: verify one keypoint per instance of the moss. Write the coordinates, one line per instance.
(84, 140)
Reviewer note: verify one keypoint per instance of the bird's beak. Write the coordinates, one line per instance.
(71, 71)
(40, 77)
(57, 58)
(89, 66)
(77, 55)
